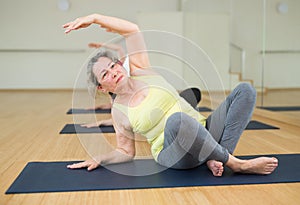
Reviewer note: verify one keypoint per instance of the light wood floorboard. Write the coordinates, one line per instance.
(30, 123)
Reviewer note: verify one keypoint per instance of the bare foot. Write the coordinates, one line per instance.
(216, 167)
(260, 165)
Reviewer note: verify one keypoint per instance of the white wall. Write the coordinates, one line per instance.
(206, 23)
(35, 25)
(163, 33)
(210, 32)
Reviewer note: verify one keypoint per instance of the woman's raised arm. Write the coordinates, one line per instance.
(137, 52)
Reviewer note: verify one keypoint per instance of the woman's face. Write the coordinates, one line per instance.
(109, 74)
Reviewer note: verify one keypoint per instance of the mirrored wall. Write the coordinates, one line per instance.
(263, 45)
(280, 53)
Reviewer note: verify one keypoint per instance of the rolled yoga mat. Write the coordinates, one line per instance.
(76, 128)
(38, 177)
(192, 96)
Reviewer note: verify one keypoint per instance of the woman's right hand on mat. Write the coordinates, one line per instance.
(104, 106)
(90, 125)
(89, 164)
(107, 122)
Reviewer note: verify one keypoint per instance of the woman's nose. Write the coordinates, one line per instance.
(114, 74)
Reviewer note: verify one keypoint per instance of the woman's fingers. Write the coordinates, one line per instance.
(66, 24)
(87, 126)
(78, 165)
(90, 125)
(69, 26)
(92, 166)
(89, 164)
(72, 27)
(77, 24)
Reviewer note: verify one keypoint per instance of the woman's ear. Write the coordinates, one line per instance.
(99, 87)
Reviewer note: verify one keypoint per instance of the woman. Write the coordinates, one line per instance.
(191, 95)
(146, 104)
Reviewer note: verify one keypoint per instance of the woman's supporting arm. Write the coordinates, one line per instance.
(124, 152)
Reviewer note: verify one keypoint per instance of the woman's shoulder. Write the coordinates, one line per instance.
(120, 117)
(143, 72)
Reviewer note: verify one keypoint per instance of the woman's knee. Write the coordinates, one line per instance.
(172, 124)
(176, 120)
(248, 91)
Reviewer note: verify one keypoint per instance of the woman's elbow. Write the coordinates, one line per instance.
(131, 154)
(134, 28)
(128, 153)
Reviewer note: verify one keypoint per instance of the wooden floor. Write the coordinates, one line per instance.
(30, 123)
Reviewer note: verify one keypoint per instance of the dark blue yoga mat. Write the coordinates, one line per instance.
(39, 177)
(256, 125)
(203, 109)
(76, 128)
(99, 111)
(281, 108)
(85, 111)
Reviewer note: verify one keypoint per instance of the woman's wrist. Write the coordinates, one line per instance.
(97, 159)
(96, 18)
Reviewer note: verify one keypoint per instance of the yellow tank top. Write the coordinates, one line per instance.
(150, 116)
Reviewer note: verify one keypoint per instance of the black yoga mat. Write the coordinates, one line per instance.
(76, 128)
(191, 95)
(203, 109)
(39, 177)
(256, 125)
(85, 111)
(282, 108)
(99, 111)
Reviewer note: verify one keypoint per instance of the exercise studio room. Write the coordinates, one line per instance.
(182, 102)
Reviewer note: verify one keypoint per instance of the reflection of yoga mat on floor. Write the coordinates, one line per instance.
(39, 177)
(282, 108)
(76, 128)
(85, 111)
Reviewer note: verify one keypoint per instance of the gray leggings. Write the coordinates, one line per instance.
(188, 144)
